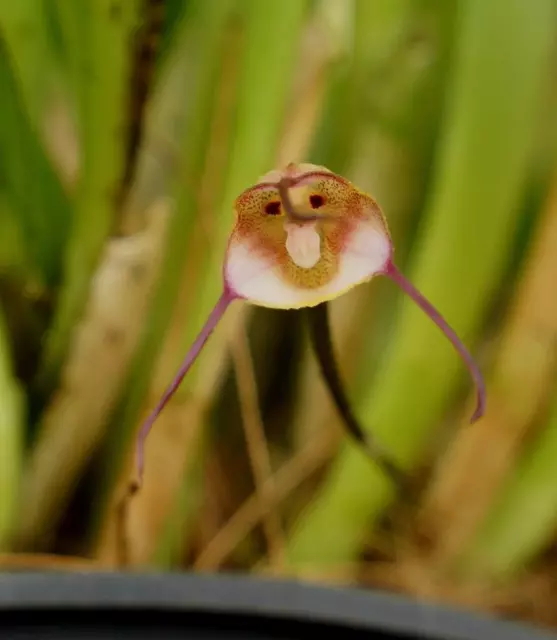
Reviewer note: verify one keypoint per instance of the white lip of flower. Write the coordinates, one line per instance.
(303, 244)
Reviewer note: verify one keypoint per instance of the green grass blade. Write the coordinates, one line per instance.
(519, 384)
(33, 189)
(105, 57)
(525, 516)
(12, 248)
(523, 512)
(333, 143)
(459, 259)
(22, 25)
(70, 19)
(12, 434)
(200, 38)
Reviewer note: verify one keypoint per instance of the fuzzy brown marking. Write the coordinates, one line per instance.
(267, 235)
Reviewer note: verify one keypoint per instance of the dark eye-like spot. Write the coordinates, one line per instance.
(316, 201)
(272, 208)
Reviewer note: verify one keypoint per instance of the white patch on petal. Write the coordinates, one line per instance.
(259, 279)
(303, 244)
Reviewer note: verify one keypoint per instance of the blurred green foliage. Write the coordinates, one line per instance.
(128, 127)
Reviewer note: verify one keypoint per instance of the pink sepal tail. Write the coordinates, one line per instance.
(396, 276)
(214, 317)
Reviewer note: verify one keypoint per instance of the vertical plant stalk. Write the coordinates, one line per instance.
(201, 42)
(147, 42)
(185, 495)
(104, 56)
(12, 435)
(23, 29)
(71, 19)
(522, 522)
(75, 422)
(479, 162)
(12, 248)
(257, 445)
(43, 211)
(479, 540)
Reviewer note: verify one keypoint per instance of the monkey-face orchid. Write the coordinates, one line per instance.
(336, 239)
(303, 236)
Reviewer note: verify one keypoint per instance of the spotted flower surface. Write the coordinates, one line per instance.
(274, 261)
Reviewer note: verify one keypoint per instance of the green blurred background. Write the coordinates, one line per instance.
(127, 128)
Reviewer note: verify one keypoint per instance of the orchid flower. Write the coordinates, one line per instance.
(303, 236)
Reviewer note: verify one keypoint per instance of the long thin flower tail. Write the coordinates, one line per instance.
(320, 333)
(215, 316)
(396, 276)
